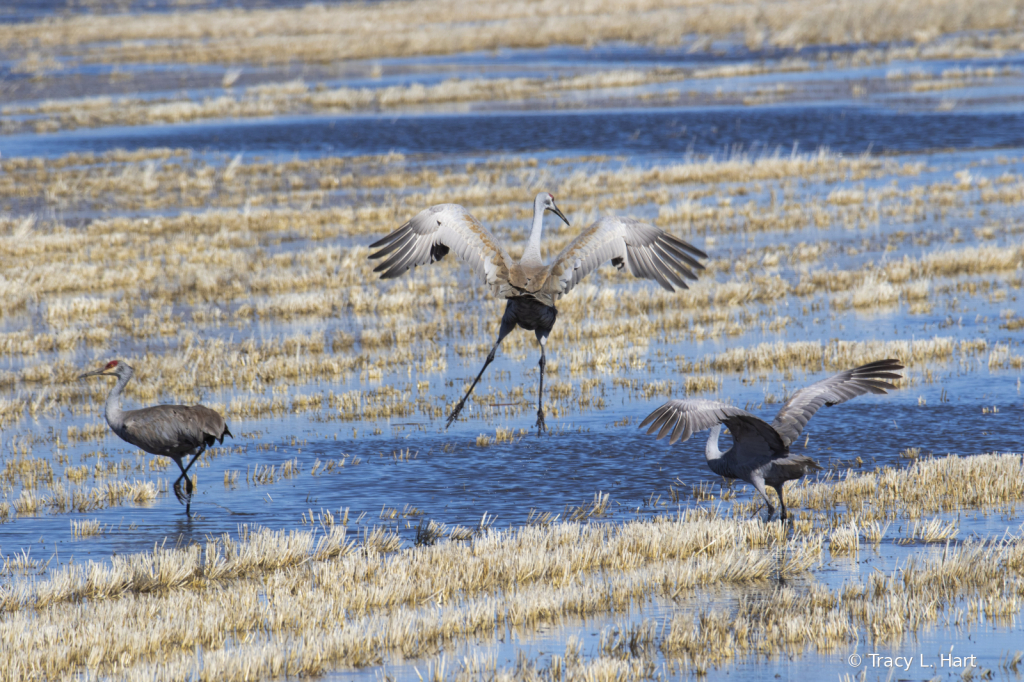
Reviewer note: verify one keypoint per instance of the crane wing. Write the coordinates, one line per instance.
(648, 252)
(432, 233)
(683, 418)
(174, 430)
(869, 378)
(757, 436)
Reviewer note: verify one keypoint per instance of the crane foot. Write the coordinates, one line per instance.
(541, 426)
(185, 497)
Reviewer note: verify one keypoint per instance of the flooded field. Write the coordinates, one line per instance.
(192, 187)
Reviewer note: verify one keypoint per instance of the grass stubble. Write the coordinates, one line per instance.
(273, 603)
(226, 270)
(187, 255)
(904, 31)
(395, 29)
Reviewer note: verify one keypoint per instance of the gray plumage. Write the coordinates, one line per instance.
(760, 452)
(174, 431)
(531, 286)
(647, 251)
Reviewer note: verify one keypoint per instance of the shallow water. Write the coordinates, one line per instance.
(668, 132)
(447, 478)
(402, 473)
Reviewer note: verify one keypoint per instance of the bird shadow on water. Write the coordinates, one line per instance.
(230, 511)
(195, 527)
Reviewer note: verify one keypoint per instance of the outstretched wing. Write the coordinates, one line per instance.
(869, 378)
(683, 418)
(173, 430)
(648, 252)
(432, 233)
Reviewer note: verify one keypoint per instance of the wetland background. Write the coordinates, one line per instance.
(190, 186)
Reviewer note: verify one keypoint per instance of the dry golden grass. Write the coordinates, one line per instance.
(329, 34)
(232, 273)
(81, 530)
(355, 602)
(964, 584)
(323, 34)
(223, 270)
(192, 259)
(837, 355)
(926, 486)
(556, 571)
(299, 97)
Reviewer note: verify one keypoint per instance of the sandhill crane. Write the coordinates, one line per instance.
(760, 451)
(174, 431)
(530, 286)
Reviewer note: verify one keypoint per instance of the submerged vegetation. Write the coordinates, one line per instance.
(210, 293)
(195, 285)
(240, 279)
(356, 602)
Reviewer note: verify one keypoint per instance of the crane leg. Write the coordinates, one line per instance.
(760, 488)
(186, 497)
(782, 515)
(506, 329)
(541, 426)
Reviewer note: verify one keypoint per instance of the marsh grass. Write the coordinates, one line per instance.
(85, 528)
(242, 282)
(300, 97)
(565, 554)
(932, 485)
(321, 34)
(413, 600)
(886, 608)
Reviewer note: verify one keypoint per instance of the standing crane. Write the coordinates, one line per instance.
(760, 451)
(174, 431)
(530, 286)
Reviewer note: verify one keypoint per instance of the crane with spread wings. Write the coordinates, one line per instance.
(530, 285)
(760, 452)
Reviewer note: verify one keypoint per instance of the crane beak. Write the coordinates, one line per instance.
(92, 374)
(554, 209)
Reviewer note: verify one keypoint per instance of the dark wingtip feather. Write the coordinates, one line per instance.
(686, 245)
(683, 431)
(680, 256)
(651, 417)
(397, 244)
(667, 425)
(880, 365)
(390, 237)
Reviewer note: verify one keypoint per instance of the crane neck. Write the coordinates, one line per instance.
(717, 460)
(531, 255)
(711, 451)
(114, 413)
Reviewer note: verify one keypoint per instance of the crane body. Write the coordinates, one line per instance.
(531, 286)
(760, 453)
(174, 431)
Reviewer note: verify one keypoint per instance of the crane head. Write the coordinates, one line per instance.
(109, 369)
(548, 202)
